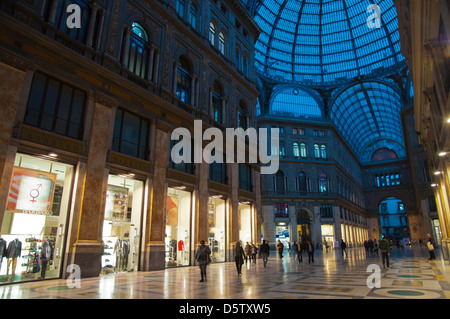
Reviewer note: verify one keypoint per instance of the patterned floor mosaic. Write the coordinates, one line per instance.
(331, 276)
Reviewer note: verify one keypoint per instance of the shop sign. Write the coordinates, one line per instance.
(31, 191)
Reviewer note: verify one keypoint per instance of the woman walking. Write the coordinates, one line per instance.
(202, 256)
(239, 256)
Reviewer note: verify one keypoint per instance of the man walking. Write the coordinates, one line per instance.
(385, 251)
(264, 251)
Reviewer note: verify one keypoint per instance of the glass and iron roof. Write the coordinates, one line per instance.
(368, 112)
(325, 41)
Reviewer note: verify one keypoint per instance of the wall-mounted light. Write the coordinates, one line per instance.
(442, 154)
(53, 155)
(437, 173)
(434, 185)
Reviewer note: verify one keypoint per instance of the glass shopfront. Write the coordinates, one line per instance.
(121, 225)
(282, 233)
(178, 221)
(245, 223)
(33, 228)
(328, 235)
(216, 224)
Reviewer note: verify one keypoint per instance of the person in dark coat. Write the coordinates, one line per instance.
(310, 250)
(264, 251)
(239, 257)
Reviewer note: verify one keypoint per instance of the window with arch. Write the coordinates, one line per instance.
(183, 82)
(323, 151)
(295, 150)
(193, 14)
(139, 50)
(212, 33)
(217, 103)
(222, 40)
(316, 151)
(323, 183)
(303, 152)
(180, 7)
(301, 183)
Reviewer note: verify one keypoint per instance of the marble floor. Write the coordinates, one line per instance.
(410, 275)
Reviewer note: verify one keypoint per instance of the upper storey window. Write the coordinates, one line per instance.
(56, 106)
(193, 13)
(222, 40)
(180, 7)
(183, 82)
(138, 50)
(212, 33)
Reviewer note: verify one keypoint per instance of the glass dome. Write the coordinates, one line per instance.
(325, 41)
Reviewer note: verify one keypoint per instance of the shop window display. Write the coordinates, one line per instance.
(216, 223)
(328, 235)
(32, 233)
(121, 225)
(178, 220)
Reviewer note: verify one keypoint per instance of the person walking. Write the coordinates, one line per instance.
(264, 251)
(310, 249)
(280, 248)
(385, 251)
(300, 248)
(247, 251)
(239, 257)
(430, 246)
(343, 248)
(254, 251)
(203, 258)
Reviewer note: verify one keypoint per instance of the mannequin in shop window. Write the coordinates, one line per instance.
(118, 253)
(12, 253)
(46, 254)
(2, 250)
(125, 252)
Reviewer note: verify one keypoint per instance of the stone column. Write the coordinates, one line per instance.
(316, 235)
(257, 205)
(234, 204)
(203, 200)
(293, 235)
(10, 95)
(86, 250)
(155, 223)
(337, 223)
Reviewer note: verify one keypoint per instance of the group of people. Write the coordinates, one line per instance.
(250, 251)
(371, 246)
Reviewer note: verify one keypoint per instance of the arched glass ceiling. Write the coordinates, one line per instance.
(323, 41)
(295, 102)
(368, 112)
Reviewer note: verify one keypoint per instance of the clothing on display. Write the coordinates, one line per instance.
(12, 252)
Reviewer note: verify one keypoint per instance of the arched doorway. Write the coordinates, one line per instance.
(393, 219)
(303, 226)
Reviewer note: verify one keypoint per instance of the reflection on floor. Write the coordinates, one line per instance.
(411, 275)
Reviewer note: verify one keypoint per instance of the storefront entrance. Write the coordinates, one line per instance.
(121, 226)
(216, 225)
(178, 230)
(34, 223)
